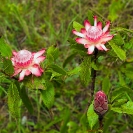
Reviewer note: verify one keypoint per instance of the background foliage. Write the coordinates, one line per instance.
(57, 102)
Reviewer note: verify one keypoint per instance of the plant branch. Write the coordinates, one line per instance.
(92, 87)
(94, 74)
(100, 118)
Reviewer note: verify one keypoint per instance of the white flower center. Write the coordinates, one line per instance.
(94, 32)
(23, 59)
(23, 56)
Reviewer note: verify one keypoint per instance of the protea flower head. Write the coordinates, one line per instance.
(100, 103)
(25, 63)
(94, 36)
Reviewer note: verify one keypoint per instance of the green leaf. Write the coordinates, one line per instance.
(106, 84)
(52, 54)
(77, 26)
(92, 116)
(119, 52)
(109, 120)
(15, 11)
(7, 66)
(121, 79)
(49, 59)
(54, 74)
(118, 40)
(91, 17)
(118, 92)
(53, 51)
(74, 71)
(69, 58)
(58, 69)
(85, 71)
(119, 102)
(24, 97)
(72, 127)
(5, 49)
(127, 70)
(48, 95)
(125, 108)
(26, 100)
(66, 119)
(79, 49)
(14, 101)
(114, 9)
(97, 66)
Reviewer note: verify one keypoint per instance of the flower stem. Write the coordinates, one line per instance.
(100, 118)
(94, 74)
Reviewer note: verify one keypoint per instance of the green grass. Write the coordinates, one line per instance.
(33, 25)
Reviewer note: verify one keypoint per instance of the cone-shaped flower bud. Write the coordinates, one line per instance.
(93, 36)
(25, 63)
(100, 103)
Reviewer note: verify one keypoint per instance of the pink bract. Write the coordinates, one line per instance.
(100, 103)
(94, 36)
(25, 63)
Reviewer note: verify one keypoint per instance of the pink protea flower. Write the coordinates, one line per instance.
(93, 36)
(25, 63)
(100, 103)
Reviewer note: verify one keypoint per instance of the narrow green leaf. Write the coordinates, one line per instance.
(69, 58)
(14, 10)
(119, 52)
(14, 101)
(119, 102)
(106, 84)
(92, 116)
(77, 26)
(118, 92)
(85, 71)
(5, 49)
(66, 118)
(26, 100)
(51, 123)
(52, 51)
(2, 90)
(114, 9)
(24, 97)
(125, 108)
(127, 70)
(58, 69)
(74, 71)
(7, 66)
(79, 49)
(109, 120)
(48, 95)
(90, 17)
(54, 74)
(121, 79)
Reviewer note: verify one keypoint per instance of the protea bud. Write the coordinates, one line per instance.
(100, 103)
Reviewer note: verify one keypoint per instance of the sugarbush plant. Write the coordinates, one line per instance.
(106, 72)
